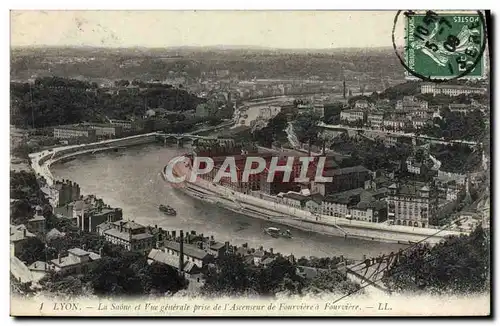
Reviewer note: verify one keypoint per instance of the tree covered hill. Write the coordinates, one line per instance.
(53, 101)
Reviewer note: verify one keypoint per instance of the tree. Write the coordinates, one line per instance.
(230, 276)
(456, 265)
(306, 127)
(165, 279)
(33, 250)
(71, 285)
(279, 275)
(332, 281)
(274, 131)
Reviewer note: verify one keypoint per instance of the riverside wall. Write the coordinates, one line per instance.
(304, 220)
(41, 161)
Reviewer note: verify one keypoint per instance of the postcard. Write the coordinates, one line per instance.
(250, 163)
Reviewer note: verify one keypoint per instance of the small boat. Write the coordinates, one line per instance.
(286, 234)
(276, 233)
(167, 210)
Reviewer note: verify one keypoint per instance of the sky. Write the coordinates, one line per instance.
(274, 29)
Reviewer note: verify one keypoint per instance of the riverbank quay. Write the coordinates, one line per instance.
(41, 161)
(286, 215)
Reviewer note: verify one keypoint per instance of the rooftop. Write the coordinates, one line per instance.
(54, 233)
(349, 170)
(458, 105)
(295, 196)
(268, 260)
(39, 266)
(129, 225)
(125, 235)
(259, 253)
(37, 218)
(78, 128)
(78, 252)
(410, 189)
(17, 233)
(189, 250)
(217, 245)
(72, 258)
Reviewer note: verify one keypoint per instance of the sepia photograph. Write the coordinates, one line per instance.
(250, 163)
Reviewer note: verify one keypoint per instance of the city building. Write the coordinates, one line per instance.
(314, 203)
(450, 90)
(91, 218)
(294, 199)
(412, 203)
(125, 124)
(128, 234)
(420, 113)
(63, 132)
(319, 109)
(19, 236)
(418, 123)
(38, 270)
(78, 261)
(189, 260)
(361, 104)
(342, 179)
(189, 269)
(336, 205)
(192, 253)
(375, 211)
(107, 130)
(461, 108)
(36, 224)
(395, 123)
(289, 110)
(269, 112)
(62, 192)
(411, 103)
(88, 212)
(352, 115)
(375, 119)
(216, 249)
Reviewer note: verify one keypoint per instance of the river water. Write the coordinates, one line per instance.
(131, 179)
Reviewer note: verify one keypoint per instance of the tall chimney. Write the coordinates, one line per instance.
(59, 258)
(24, 233)
(343, 83)
(181, 252)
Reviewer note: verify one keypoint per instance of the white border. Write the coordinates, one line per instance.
(190, 4)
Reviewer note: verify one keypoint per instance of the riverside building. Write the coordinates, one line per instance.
(128, 234)
(412, 204)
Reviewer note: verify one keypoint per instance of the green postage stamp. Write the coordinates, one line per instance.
(445, 45)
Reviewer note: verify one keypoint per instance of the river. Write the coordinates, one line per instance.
(131, 179)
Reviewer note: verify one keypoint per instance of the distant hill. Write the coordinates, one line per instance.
(245, 62)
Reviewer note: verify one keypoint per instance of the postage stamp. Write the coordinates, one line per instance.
(445, 45)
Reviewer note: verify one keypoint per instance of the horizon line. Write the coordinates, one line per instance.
(218, 46)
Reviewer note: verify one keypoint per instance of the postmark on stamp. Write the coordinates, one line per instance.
(442, 46)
